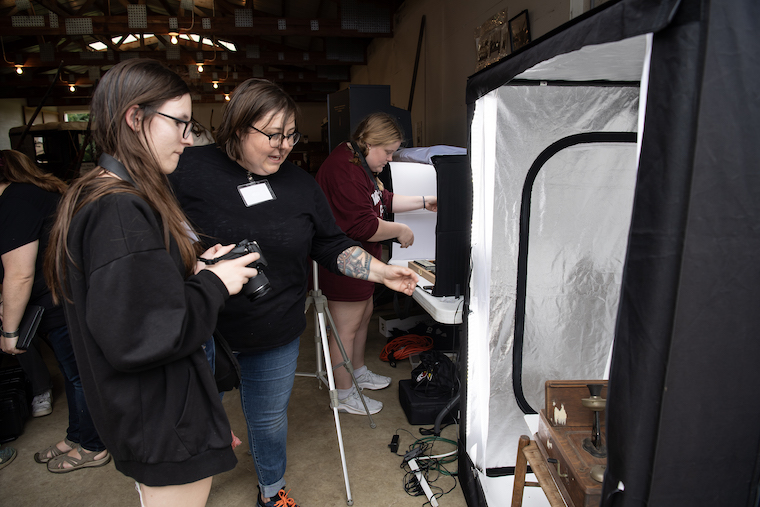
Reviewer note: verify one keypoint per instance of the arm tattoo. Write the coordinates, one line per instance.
(354, 262)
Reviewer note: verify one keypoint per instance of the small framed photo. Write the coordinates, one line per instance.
(519, 30)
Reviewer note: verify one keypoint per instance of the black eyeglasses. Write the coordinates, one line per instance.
(189, 125)
(275, 140)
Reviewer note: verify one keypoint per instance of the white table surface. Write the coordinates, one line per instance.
(445, 309)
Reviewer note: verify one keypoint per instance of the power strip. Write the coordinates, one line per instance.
(423, 482)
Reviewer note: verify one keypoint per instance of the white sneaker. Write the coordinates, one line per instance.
(42, 404)
(370, 380)
(353, 404)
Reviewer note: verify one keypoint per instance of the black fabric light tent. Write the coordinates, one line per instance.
(616, 182)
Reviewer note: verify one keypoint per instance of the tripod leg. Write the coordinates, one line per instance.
(319, 373)
(334, 404)
(349, 367)
(319, 350)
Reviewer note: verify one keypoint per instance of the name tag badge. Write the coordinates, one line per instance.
(256, 193)
(375, 198)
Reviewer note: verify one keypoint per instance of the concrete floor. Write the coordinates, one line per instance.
(314, 469)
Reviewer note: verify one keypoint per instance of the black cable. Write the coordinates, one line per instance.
(432, 469)
(410, 448)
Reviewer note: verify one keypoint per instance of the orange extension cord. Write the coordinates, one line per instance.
(404, 346)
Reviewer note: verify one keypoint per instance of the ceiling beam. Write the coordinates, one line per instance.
(61, 95)
(54, 6)
(266, 57)
(115, 25)
(84, 8)
(169, 8)
(223, 77)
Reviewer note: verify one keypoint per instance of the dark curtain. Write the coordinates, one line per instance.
(683, 411)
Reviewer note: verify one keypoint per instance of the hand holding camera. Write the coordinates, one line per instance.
(251, 281)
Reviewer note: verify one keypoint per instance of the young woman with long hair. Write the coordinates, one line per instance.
(122, 258)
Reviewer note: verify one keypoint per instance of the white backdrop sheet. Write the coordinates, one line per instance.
(580, 214)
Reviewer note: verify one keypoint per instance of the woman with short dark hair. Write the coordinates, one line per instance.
(243, 188)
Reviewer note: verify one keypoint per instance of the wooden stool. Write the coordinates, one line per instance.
(528, 453)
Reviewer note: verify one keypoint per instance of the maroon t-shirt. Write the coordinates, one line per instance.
(356, 205)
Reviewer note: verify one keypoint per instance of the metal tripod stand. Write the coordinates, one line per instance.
(325, 368)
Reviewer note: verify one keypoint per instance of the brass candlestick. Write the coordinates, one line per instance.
(594, 445)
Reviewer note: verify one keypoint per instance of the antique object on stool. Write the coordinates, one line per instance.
(594, 445)
(569, 420)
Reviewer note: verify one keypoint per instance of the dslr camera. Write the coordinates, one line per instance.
(259, 284)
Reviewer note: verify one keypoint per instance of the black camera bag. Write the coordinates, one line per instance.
(436, 375)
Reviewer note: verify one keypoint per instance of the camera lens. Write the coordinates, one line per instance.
(257, 286)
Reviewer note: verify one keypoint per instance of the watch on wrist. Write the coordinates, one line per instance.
(14, 334)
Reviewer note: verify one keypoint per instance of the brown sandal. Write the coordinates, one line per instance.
(87, 460)
(53, 451)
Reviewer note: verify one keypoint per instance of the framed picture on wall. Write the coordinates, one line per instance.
(519, 30)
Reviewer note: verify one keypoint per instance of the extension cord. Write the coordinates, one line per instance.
(421, 480)
(412, 454)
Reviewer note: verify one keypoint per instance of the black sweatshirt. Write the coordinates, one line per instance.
(137, 326)
(294, 226)
(26, 214)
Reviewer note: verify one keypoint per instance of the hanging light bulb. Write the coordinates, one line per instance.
(72, 88)
(174, 39)
(200, 67)
(19, 64)
(227, 97)
(216, 85)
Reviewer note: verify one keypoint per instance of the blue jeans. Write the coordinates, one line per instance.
(35, 368)
(81, 429)
(210, 349)
(267, 380)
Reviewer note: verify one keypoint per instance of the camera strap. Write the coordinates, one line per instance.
(211, 262)
(115, 167)
(227, 256)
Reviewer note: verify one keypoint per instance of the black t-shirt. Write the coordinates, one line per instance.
(291, 228)
(26, 215)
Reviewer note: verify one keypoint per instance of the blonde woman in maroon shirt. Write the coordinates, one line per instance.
(348, 178)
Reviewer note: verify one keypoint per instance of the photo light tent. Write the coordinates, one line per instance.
(616, 228)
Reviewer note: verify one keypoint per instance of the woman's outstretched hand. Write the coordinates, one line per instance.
(400, 279)
(356, 262)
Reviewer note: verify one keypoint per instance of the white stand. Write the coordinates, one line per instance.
(325, 367)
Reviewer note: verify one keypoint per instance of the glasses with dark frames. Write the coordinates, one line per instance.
(275, 140)
(189, 125)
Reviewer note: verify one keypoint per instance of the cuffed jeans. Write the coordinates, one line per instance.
(81, 429)
(267, 381)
